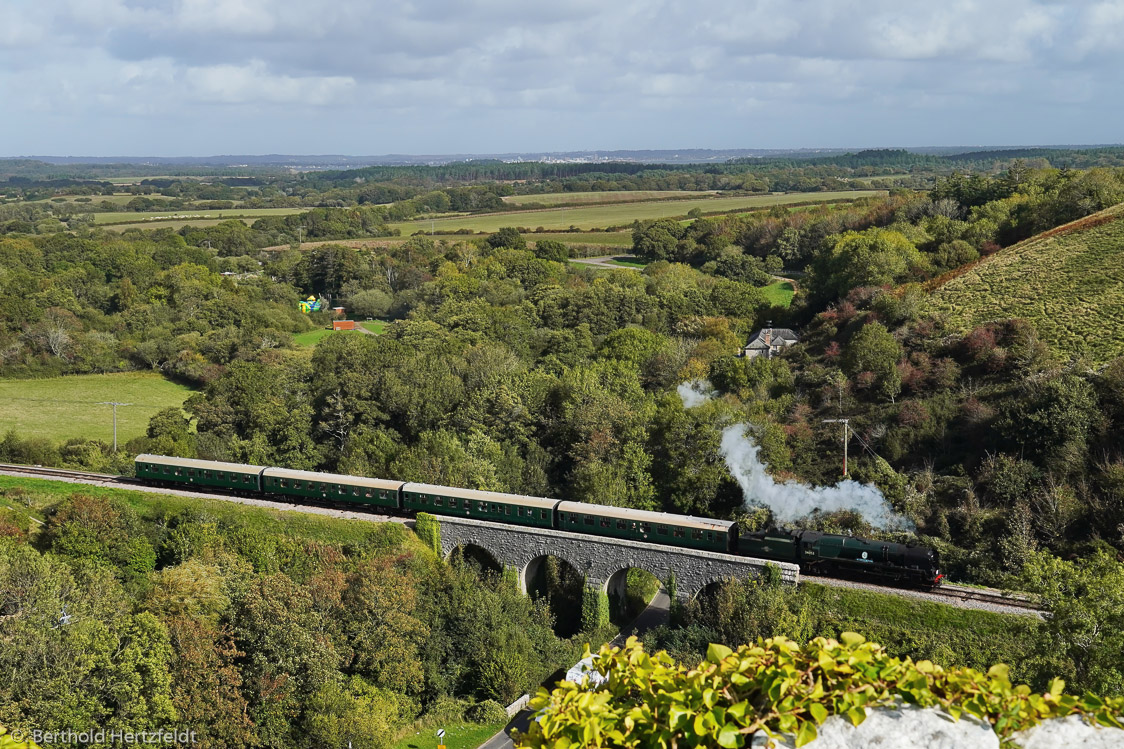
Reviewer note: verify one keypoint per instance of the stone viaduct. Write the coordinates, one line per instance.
(604, 561)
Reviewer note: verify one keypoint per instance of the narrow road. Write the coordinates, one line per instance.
(605, 261)
(653, 616)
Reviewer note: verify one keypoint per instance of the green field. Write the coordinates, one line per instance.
(187, 217)
(375, 326)
(59, 408)
(606, 196)
(1069, 283)
(117, 199)
(312, 337)
(779, 294)
(622, 214)
(457, 736)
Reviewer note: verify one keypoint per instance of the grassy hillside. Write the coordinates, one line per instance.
(59, 408)
(1068, 282)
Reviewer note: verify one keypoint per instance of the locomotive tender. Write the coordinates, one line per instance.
(816, 553)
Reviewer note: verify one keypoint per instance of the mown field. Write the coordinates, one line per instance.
(1069, 283)
(780, 294)
(60, 408)
(120, 219)
(605, 196)
(621, 214)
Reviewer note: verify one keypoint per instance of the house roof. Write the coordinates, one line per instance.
(758, 341)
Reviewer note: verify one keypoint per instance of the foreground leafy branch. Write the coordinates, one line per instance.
(778, 687)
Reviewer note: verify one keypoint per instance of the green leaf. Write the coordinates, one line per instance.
(716, 652)
(729, 736)
(818, 711)
(852, 639)
(856, 715)
(806, 733)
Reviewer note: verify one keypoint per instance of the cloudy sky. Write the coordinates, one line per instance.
(200, 77)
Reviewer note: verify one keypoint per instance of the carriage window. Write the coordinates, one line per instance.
(543, 514)
(369, 494)
(709, 536)
(604, 523)
(168, 470)
(453, 502)
(507, 509)
(355, 491)
(323, 487)
(561, 517)
(644, 527)
(221, 474)
(589, 521)
(696, 534)
(678, 533)
(438, 502)
(519, 511)
(620, 525)
(481, 506)
(574, 519)
(247, 480)
(661, 529)
(179, 472)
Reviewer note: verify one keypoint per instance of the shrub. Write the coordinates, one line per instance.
(488, 711)
(777, 687)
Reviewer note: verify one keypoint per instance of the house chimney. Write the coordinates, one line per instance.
(769, 333)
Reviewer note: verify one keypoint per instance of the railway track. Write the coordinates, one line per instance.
(62, 473)
(987, 595)
(972, 597)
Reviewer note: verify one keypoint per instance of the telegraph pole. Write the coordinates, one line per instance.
(115, 404)
(845, 423)
(300, 235)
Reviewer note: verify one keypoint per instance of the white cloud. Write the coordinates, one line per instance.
(253, 83)
(832, 71)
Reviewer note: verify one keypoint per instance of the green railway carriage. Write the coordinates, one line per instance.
(331, 486)
(191, 472)
(654, 527)
(478, 505)
(771, 544)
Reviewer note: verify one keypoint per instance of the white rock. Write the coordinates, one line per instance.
(905, 728)
(1071, 733)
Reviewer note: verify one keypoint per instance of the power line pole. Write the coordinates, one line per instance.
(300, 235)
(115, 404)
(846, 424)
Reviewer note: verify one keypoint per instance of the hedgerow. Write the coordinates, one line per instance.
(777, 687)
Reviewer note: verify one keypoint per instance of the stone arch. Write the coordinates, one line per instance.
(615, 587)
(563, 591)
(529, 569)
(479, 552)
(704, 582)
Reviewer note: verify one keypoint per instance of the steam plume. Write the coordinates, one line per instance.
(790, 500)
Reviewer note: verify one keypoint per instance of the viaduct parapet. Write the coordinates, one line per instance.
(604, 561)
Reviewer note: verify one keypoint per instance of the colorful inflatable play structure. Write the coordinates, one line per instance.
(312, 304)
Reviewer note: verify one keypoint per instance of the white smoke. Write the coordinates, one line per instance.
(790, 500)
(695, 393)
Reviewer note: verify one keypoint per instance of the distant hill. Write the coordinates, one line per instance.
(1068, 282)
